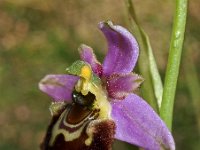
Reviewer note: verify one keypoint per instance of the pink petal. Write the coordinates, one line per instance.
(120, 85)
(138, 124)
(123, 49)
(59, 87)
(87, 55)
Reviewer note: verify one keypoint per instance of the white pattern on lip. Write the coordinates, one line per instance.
(78, 128)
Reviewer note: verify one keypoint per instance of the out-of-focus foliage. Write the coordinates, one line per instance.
(42, 37)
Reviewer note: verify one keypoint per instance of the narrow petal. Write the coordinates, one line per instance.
(59, 87)
(138, 124)
(120, 85)
(86, 54)
(122, 49)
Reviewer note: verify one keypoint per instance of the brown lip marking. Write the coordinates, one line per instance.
(77, 114)
(103, 136)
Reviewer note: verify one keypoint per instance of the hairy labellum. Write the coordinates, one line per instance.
(77, 127)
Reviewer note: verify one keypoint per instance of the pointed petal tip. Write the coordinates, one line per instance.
(138, 80)
(83, 46)
(105, 23)
(42, 82)
(85, 52)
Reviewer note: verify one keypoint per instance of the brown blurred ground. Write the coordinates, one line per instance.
(42, 37)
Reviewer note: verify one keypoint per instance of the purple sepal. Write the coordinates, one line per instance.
(87, 55)
(120, 85)
(59, 87)
(138, 124)
(123, 49)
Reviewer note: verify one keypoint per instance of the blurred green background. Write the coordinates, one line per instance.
(41, 37)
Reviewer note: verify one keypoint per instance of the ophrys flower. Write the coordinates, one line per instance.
(95, 103)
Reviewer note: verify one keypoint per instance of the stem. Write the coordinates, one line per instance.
(173, 62)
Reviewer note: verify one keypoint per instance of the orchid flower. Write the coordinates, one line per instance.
(94, 103)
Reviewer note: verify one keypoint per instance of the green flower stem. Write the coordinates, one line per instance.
(173, 62)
